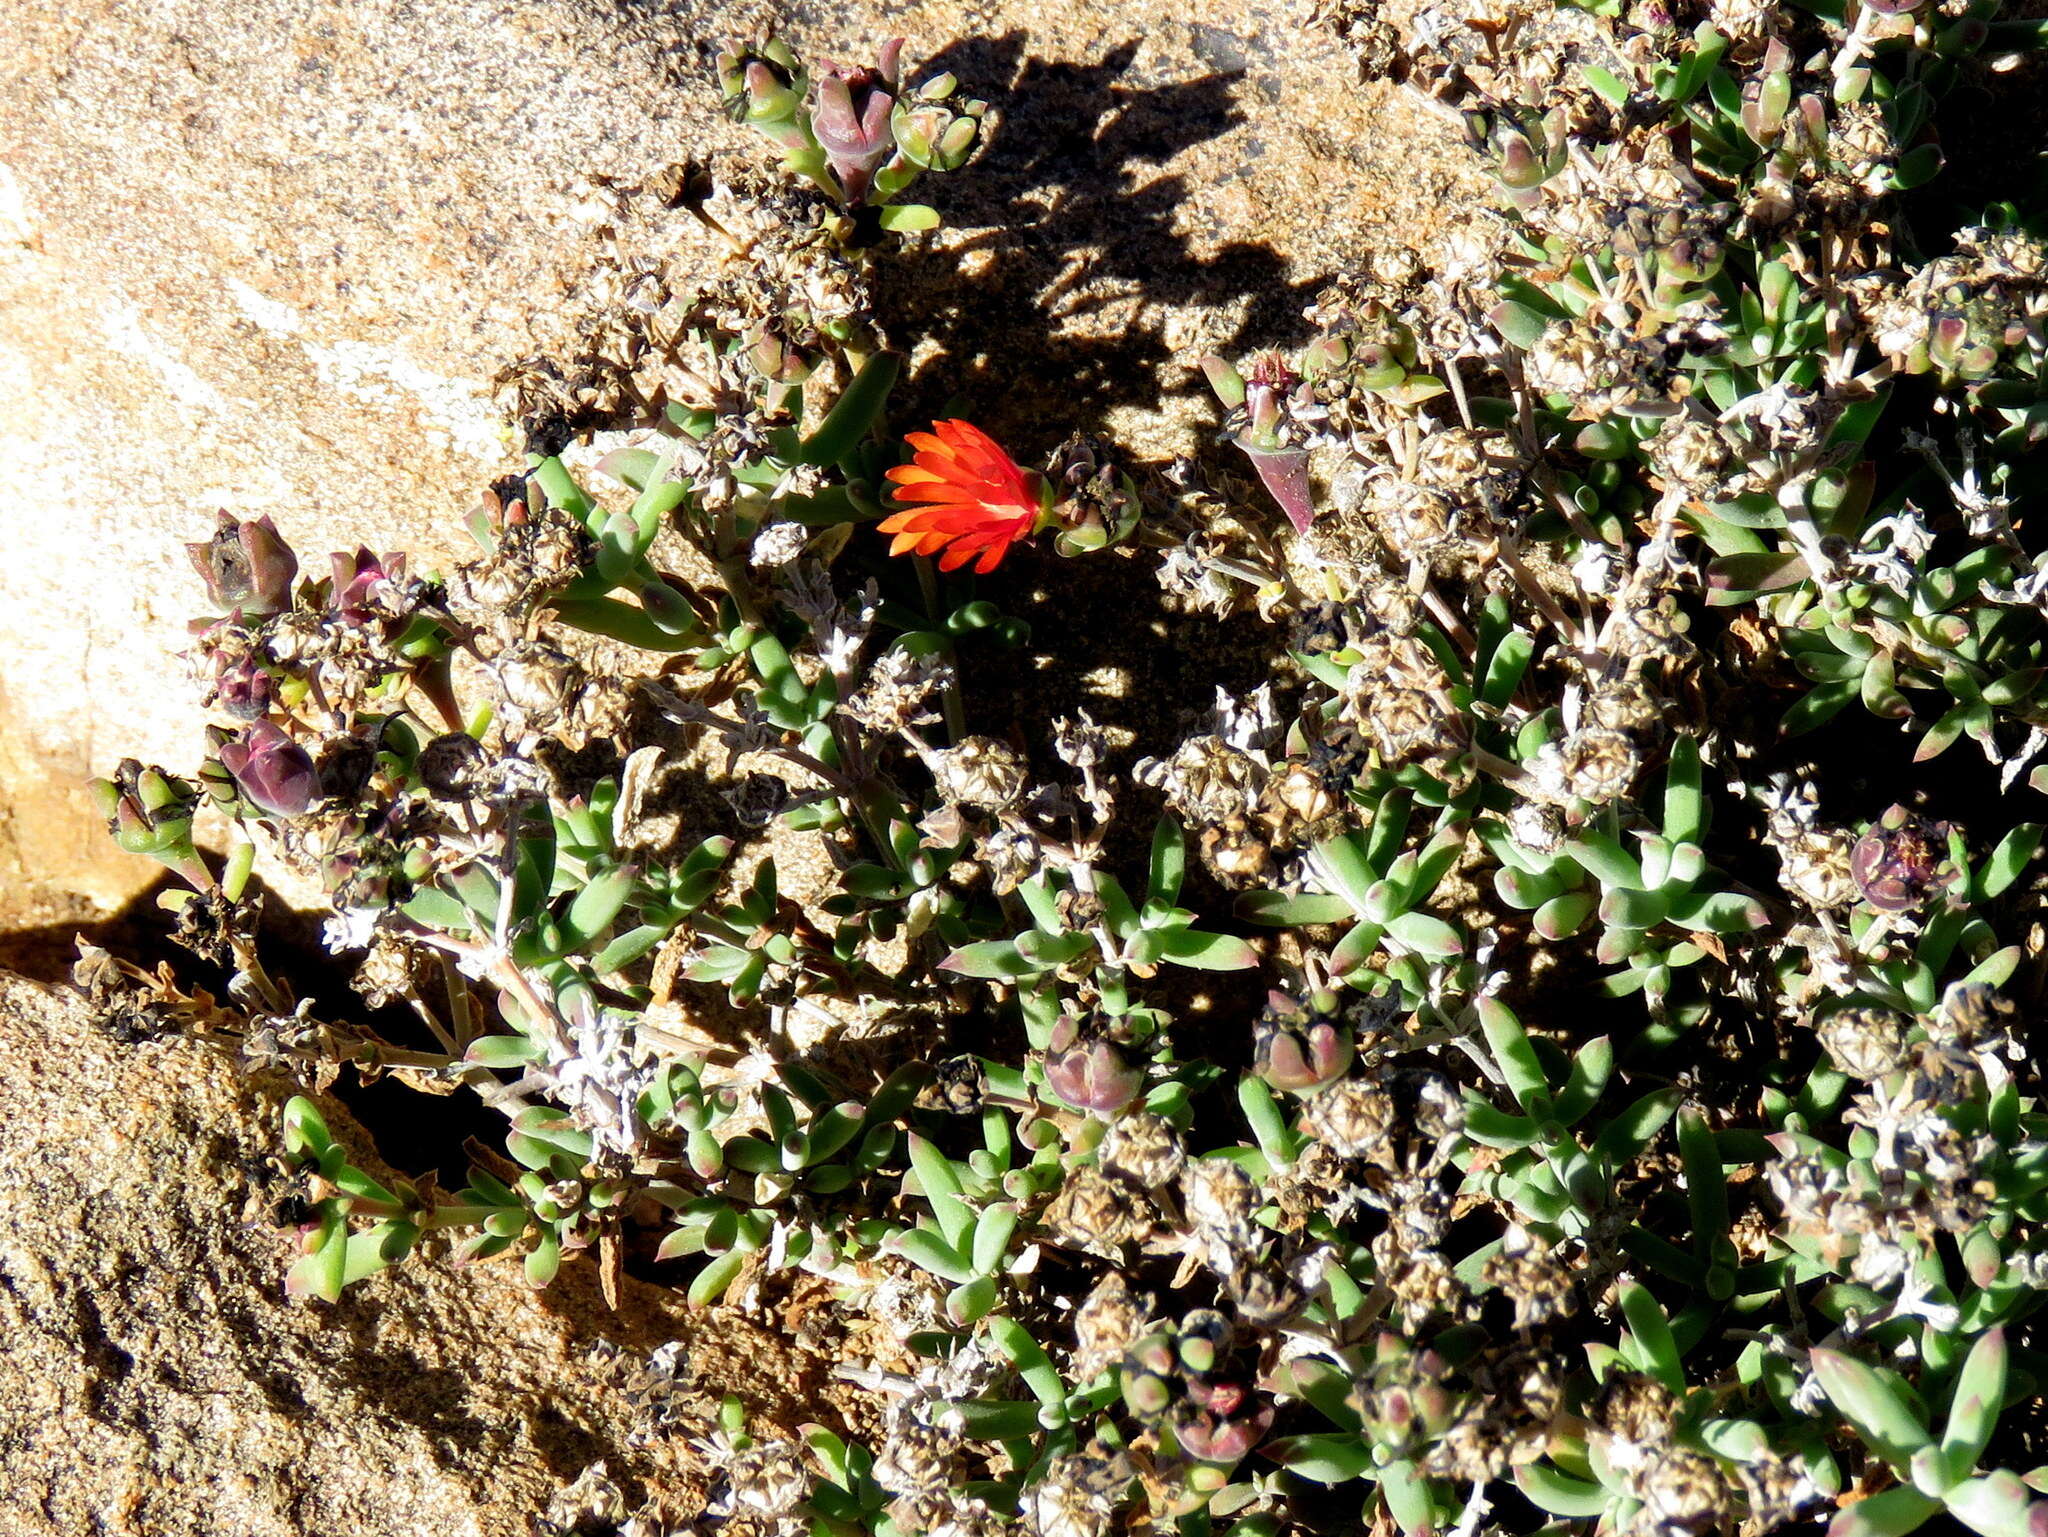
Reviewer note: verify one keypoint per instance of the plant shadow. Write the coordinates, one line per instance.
(1076, 247)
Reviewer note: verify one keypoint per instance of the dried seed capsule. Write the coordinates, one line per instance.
(246, 566)
(452, 766)
(1352, 1117)
(1105, 1325)
(771, 1477)
(1144, 1149)
(1865, 1043)
(981, 772)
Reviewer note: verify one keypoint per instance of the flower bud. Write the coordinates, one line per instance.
(1899, 862)
(1090, 1074)
(272, 770)
(950, 153)
(246, 566)
(149, 812)
(1520, 168)
(243, 689)
(1766, 101)
(763, 88)
(1204, 1334)
(368, 587)
(777, 360)
(1299, 1048)
(1147, 1376)
(1209, 1437)
(934, 135)
(851, 120)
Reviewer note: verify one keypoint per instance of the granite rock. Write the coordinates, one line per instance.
(157, 1381)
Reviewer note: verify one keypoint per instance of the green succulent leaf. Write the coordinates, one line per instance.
(1029, 1358)
(1516, 1057)
(992, 959)
(1169, 862)
(904, 218)
(2000, 1505)
(852, 414)
(1203, 952)
(1322, 1459)
(1655, 1348)
(1893, 1513)
(1976, 1403)
(1871, 1401)
(1559, 1494)
(2009, 860)
(1281, 909)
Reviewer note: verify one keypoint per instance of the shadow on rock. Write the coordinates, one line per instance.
(1065, 222)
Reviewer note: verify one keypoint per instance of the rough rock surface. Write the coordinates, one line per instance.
(158, 1383)
(267, 257)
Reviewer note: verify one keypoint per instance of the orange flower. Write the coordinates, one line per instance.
(975, 498)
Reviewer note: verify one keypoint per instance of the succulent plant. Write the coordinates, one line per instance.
(1558, 1098)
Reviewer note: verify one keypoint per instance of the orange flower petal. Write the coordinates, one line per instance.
(961, 494)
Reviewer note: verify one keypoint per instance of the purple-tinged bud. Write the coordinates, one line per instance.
(1945, 340)
(764, 88)
(1521, 170)
(1147, 1377)
(1688, 260)
(1091, 1074)
(247, 567)
(776, 360)
(767, 96)
(1268, 381)
(931, 133)
(1378, 365)
(1154, 1354)
(1210, 1439)
(1813, 122)
(272, 770)
(1766, 101)
(365, 586)
(1297, 1047)
(243, 689)
(851, 120)
(1654, 17)
(1899, 862)
(1397, 1410)
(1221, 1398)
(1260, 392)
(1324, 356)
